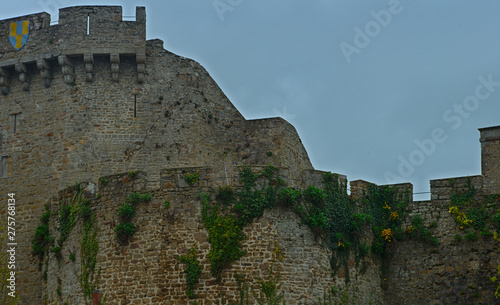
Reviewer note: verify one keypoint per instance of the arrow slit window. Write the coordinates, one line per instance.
(15, 119)
(4, 163)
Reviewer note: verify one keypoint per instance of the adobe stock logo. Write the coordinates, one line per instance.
(372, 29)
(455, 116)
(223, 6)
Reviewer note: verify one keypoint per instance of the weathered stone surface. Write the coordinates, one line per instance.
(110, 102)
(78, 107)
(147, 270)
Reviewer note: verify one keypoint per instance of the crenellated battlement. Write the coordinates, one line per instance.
(78, 105)
(83, 32)
(487, 183)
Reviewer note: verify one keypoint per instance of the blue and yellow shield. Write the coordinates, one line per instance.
(18, 33)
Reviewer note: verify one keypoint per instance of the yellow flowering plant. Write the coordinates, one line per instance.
(409, 229)
(393, 216)
(387, 234)
(460, 217)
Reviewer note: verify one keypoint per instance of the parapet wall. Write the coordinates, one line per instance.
(490, 158)
(76, 107)
(458, 270)
(147, 269)
(83, 33)
(80, 30)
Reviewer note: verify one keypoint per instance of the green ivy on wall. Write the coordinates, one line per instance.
(224, 235)
(42, 237)
(126, 229)
(193, 270)
(89, 247)
(224, 219)
(192, 178)
(328, 212)
(388, 208)
(494, 279)
(72, 209)
(474, 213)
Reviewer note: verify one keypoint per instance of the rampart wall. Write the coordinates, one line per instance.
(78, 106)
(147, 269)
(458, 270)
(75, 107)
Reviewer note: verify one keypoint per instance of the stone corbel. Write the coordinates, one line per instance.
(115, 66)
(67, 68)
(23, 75)
(141, 67)
(44, 66)
(88, 59)
(4, 81)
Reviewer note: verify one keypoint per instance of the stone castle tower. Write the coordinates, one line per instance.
(90, 97)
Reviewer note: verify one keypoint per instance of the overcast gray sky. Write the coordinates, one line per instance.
(384, 91)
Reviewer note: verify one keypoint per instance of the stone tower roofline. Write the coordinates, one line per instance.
(489, 133)
(83, 32)
(490, 157)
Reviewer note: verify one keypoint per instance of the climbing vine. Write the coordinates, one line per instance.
(73, 208)
(388, 208)
(69, 213)
(126, 229)
(225, 218)
(193, 270)
(328, 212)
(473, 213)
(42, 237)
(70, 210)
(89, 247)
(192, 178)
(224, 235)
(494, 278)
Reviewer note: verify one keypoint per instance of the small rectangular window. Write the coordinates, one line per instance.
(135, 105)
(4, 166)
(16, 120)
(88, 24)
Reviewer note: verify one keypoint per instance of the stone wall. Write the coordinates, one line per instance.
(146, 270)
(417, 273)
(455, 271)
(490, 158)
(107, 33)
(76, 107)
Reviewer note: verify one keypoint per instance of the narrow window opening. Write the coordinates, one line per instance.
(88, 24)
(4, 163)
(135, 105)
(15, 121)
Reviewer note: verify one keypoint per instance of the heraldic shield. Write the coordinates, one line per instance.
(18, 33)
